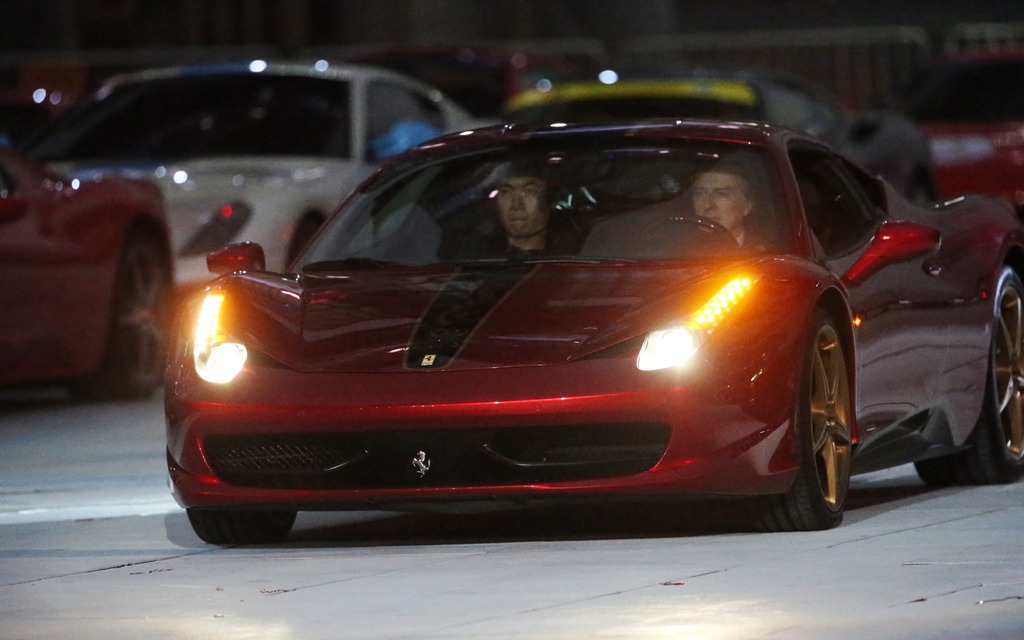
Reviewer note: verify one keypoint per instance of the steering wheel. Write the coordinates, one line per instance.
(714, 233)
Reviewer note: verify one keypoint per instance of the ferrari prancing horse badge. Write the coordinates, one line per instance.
(421, 463)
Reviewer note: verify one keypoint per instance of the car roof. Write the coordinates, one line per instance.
(323, 69)
(759, 134)
(725, 84)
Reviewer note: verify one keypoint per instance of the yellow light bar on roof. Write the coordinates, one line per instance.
(732, 91)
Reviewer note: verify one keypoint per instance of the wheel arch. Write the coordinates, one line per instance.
(1015, 260)
(833, 302)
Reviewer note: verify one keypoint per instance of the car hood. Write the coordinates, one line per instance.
(461, 318)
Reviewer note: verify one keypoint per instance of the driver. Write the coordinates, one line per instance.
(722, 194)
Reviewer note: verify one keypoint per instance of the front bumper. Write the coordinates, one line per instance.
(589, 429)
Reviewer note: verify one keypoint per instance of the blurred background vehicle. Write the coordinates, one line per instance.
(85, 275)
(246, 151)
(886, 144)
(480, 77)
(24, 110)
(971, 104)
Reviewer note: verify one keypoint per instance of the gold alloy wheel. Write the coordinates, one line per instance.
(831, 439)
(1009, 371)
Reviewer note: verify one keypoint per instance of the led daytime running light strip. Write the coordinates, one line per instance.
(208, 324)
(714, 310)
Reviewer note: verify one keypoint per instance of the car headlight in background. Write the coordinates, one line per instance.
(674, 346)
(216, 358)
(219, 229)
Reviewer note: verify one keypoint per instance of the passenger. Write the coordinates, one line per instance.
(525, 211)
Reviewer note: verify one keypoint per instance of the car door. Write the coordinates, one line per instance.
(41, 284)
(901, 341)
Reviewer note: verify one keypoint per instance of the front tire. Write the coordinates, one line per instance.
(221, 526)
(823, 435)
(995, 452)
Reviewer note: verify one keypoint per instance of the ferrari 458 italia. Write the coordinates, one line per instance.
(657, 311)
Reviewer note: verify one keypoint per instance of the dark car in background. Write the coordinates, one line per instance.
(482, 78)
(85, 277)
(24, 110)
(971, 105)
(886, 144)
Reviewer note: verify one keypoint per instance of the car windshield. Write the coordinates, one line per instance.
(203, 115)
(971, 92)
(633, 201)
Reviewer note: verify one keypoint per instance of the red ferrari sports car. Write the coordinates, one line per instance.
(85, 271)
(662, 310)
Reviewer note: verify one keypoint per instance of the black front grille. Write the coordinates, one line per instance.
(450, 457)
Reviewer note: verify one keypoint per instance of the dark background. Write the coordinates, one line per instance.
(290, 25)
(858, 49)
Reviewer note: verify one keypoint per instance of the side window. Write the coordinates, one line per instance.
(839, 214)
(399, 118)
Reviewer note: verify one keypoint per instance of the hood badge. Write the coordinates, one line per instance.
(421, 463)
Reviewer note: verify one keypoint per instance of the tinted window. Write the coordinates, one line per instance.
(839, 213)
(976, 92)
(476, 84)
(204, 115)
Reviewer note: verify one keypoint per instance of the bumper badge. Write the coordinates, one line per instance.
(421, 463)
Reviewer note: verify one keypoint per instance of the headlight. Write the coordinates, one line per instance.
(218, 229)
(667, 348)
(216, 359)
(674, 346)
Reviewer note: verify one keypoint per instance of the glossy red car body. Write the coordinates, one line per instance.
(970, 106)
(62, 243)
(539, 397)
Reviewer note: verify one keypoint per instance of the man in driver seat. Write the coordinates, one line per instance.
(723, 194)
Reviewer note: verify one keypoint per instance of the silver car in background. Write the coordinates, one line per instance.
(250, 151)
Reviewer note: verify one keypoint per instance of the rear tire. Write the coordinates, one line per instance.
(823, 438)
(995, 453)
(133, 363)
(217, 526)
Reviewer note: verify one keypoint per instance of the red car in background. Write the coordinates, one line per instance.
(85, 273)
(972, 107)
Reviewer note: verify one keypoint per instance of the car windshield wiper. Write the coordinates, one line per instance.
(569, 259)
(539, 259)
(348, 264)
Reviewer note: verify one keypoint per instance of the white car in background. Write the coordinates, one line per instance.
(249, 151)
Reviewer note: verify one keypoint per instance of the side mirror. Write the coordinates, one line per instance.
(893, 242)
(12, 207)
(242, 256)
